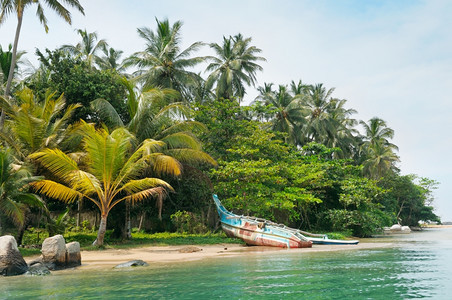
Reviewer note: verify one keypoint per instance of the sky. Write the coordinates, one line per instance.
(388, 59)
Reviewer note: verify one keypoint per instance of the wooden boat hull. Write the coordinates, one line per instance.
(256, 233)
(253, 236)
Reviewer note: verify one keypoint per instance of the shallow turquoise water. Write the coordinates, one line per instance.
(420, 266)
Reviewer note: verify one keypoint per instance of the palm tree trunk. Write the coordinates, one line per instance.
(101, 233)
(128, 231)
(141, 221)
(79, 214)
(13, 62)
(22, 228)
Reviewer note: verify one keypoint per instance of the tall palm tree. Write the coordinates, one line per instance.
(163, 63)
(288, 112)
(377, 150)
(18, 7)
(87, 47)
(108, 173)
(235, 65)
(380, 160)
(344, 134)
(14, 195)
(377, 131)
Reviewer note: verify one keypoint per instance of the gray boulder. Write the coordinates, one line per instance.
(54, 252)
(11, 261)
(38, 269)
(73, 257)
(132, 263)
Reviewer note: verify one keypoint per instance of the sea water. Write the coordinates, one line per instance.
(417, 265)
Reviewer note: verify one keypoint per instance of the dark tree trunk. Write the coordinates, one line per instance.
(128, 225)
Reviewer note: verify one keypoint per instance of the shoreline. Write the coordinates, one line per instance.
(156, 255)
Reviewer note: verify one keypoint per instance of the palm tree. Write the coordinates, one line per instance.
(344, 134)
(378, 152)
(18, 7)
(153, 114)
(163, 63)
(377, 131)
(318, 103)
(380, 160)
(108, 173)
(14, 198)
(110, 59)
(288, 112)
(87, 47)
(33, 124)
(234, 66)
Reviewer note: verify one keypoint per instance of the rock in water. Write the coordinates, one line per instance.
(11, 261)
(38, 269)
(73, 257)
(132, 263)
(54, 252)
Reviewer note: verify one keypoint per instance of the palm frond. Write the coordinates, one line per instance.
(107, 113)
(57, 162)
(191, 156)
(56, 190)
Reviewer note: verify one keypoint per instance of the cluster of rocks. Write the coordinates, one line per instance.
(56, 255)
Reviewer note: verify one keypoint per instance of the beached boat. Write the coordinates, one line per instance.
(261, 232)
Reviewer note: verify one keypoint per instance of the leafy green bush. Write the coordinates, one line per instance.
(188, 222)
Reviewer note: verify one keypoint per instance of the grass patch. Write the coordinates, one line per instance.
(29, 251)
(139, 239)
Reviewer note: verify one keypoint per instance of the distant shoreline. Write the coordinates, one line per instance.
(438, 226)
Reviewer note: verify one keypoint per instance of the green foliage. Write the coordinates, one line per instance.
(187, 222)
(81, 84)
(409, 198)
(265, 177)
(362, 223)
(225, 120)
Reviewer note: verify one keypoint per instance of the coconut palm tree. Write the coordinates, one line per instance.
(344, 134)
(288, 112)
(34, 125)
(377, 150)
(376, 131)
(110, 59)
(153, 114)
(380, 160)
(18, 7)
(318, 103)
(87, 47)
(235, 65)
(163, 63)
(110, 171)
(14, 195)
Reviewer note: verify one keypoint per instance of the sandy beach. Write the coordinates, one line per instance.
(177, 254)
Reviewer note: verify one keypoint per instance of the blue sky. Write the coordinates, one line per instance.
(391, 59)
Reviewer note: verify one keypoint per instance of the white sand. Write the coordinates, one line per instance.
(166, 254)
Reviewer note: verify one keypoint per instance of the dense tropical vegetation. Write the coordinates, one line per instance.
(148, 148)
